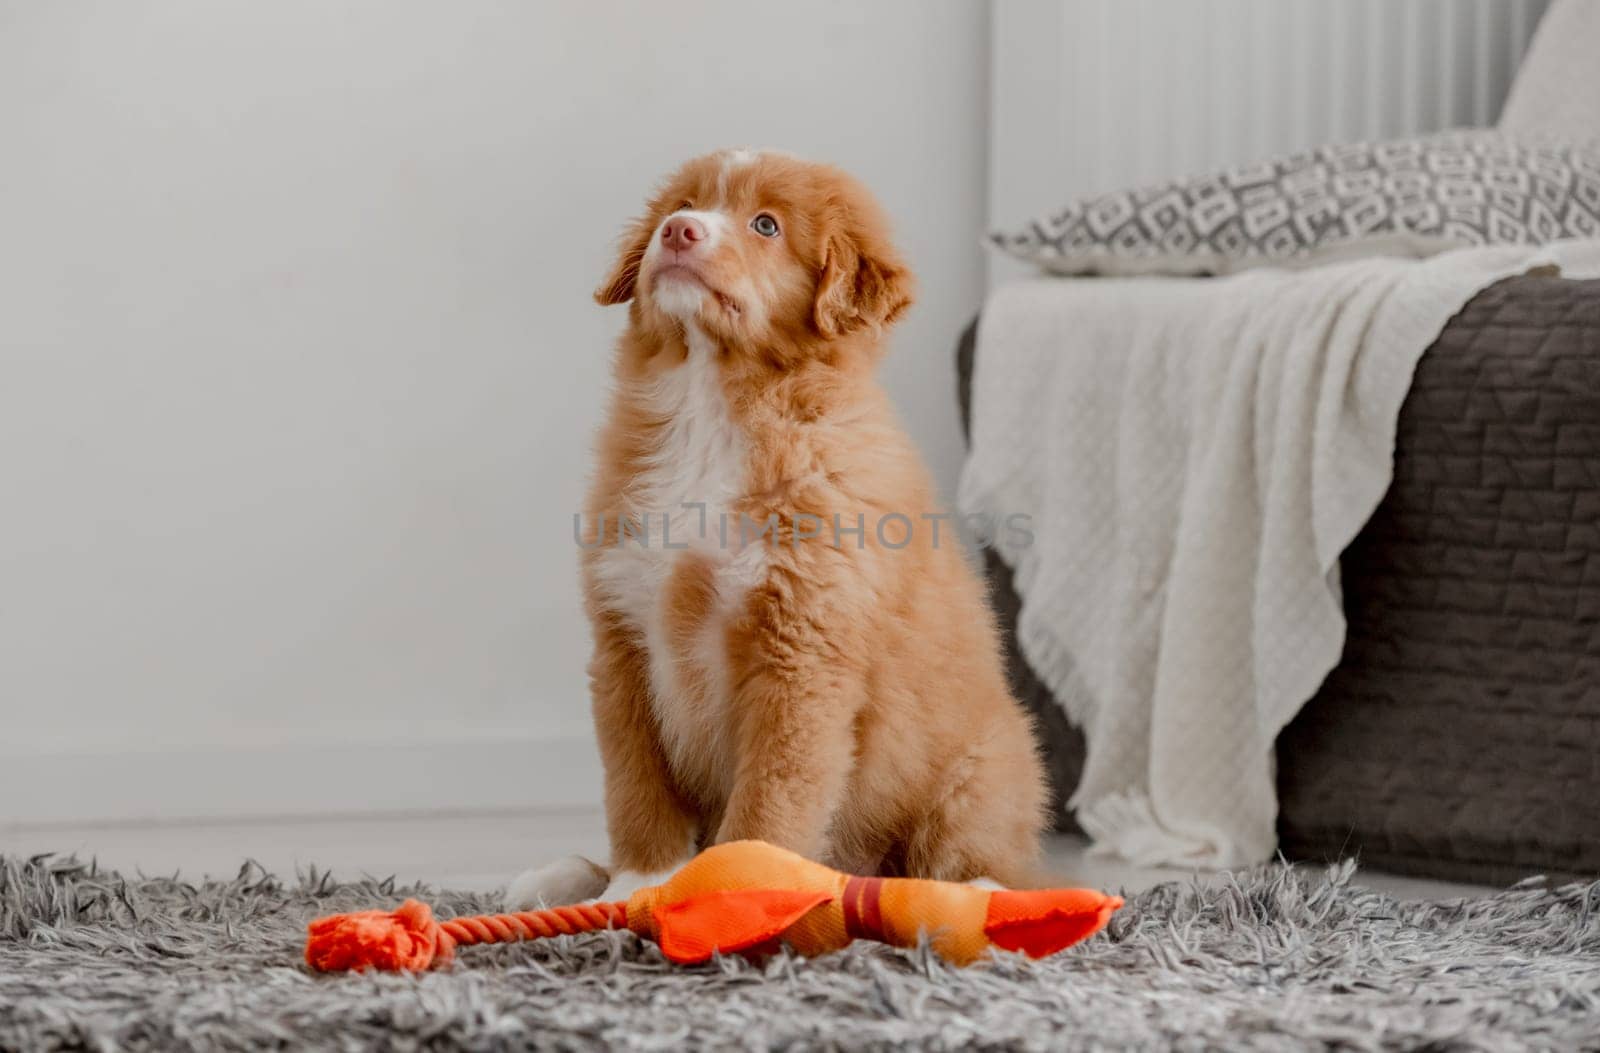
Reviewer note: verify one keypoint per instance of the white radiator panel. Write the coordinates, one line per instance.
(1092, 95)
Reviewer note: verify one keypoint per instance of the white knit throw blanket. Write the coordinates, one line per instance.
(1193, 456)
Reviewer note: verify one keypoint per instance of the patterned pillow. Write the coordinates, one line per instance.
(1411, 197)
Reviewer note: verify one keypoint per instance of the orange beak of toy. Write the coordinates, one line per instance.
(1044, 922)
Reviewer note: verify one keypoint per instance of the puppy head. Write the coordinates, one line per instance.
(761, 250)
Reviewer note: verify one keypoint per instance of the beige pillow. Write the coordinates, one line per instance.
(1556, 93)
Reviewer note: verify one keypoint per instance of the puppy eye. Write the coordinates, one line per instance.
(765, 225)
(684, 205)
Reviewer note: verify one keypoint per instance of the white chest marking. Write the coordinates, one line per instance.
(700, 462)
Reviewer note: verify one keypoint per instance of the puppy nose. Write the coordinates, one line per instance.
(681, 232)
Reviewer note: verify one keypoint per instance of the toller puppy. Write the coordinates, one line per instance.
(788, 643)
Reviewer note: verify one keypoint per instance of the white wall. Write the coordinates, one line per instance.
(298, 366)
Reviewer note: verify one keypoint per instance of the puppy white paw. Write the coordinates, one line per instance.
(988, 884)
(570, 880)
(627, 882)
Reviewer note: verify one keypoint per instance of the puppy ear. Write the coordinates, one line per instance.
(618, 286)
(863, 283)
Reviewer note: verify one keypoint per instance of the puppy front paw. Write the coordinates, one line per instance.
(570, 880)
(627, 882)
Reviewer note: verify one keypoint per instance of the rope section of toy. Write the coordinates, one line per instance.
(535, 924)
(410, 939)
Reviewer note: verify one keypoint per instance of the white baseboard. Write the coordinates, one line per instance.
(338, 778)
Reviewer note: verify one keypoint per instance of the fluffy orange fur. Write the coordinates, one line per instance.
(841, 698)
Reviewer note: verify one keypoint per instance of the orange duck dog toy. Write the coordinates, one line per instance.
(741, 896)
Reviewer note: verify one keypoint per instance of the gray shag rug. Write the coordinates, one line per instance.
(1278, 958)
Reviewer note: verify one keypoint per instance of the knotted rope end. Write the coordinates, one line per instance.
(406, 939)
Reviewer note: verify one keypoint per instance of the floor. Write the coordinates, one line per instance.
(477, 850)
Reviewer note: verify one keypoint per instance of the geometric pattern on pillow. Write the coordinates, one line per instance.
(1429, 192)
